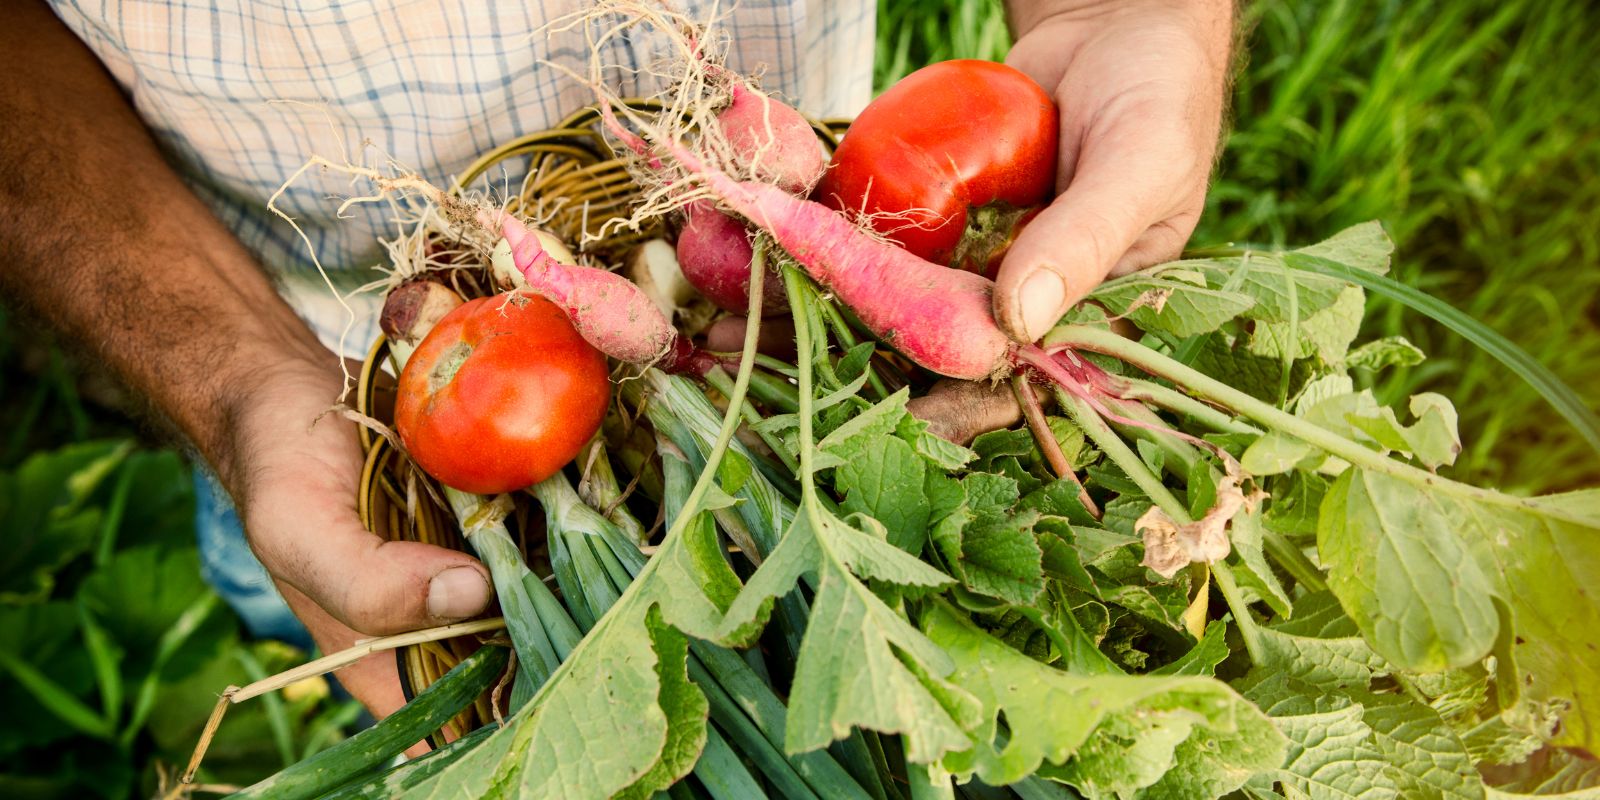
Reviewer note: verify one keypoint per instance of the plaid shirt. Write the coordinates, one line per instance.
(241, 92)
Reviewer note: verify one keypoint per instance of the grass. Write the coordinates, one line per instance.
(1468, 128)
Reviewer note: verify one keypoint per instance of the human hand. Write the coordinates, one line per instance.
(1140, 89)
(293, 470)
(165, 296)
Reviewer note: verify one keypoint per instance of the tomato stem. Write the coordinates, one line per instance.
(990, 231)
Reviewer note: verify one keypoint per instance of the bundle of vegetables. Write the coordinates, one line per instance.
(1205, 561)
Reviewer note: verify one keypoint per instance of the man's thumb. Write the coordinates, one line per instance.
(1061, 256)
(381, 587)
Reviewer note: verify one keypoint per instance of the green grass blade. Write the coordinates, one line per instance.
(272, 702)
(767, 758)
(59, 701)
(107, 544)
(328, 728)
(171, 641)
(1559, 395)
(104, 656)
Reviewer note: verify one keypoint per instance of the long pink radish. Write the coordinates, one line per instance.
(607, 310)
(778, 146)
(942, 319)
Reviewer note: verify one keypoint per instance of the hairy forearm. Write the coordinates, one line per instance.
(104, 241)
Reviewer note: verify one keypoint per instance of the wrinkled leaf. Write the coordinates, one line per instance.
(1252, 570)
(1082, 721)
(1426, 759)
(1325, 335)
(1406, 577)
(1390, 351)
(849, 671)
(1188, 308)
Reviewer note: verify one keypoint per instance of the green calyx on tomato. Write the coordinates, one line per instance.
(990, 231)
(951, 144)
(501, 394)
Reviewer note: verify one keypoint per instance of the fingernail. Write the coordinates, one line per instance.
(1040, 299)
(457, 593)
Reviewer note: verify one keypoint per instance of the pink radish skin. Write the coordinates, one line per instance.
(773, 139)
(607, 310)
(713, 248)
(714, 254)
(943, 319)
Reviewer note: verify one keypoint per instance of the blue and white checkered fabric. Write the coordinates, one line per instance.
(242, 92)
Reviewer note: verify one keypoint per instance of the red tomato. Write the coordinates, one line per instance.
(500, 395)
(947, 139)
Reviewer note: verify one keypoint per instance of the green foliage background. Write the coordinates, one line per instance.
(1468, 128)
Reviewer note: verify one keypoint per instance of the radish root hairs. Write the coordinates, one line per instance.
(311, 251)
(940, 318)
(744, 131)
(610, 313)
(763, 140)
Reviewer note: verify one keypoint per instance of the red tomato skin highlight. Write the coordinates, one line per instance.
(948, 137)
(528, 392)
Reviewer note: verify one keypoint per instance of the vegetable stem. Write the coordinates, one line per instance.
(1178, 402)
(841, 330)
(1555, 392)
(1241, 610)
(772, 763)
(742, 705)
(1293, 342)
(798, 289)
(773, 390)
(599, 488)
(720, 381)
(736, 397)
(431, 708)
(929, 782)
(1046, 439)
(723, 774)
(1108, 343)
(1177, 450)
(1293, 560)
(1123, 456)
(536, 656)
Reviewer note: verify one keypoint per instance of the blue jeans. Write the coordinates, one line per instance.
(228, 565)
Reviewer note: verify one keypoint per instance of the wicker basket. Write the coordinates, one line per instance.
(579, 184)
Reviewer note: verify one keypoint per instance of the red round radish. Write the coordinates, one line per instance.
(773, 140)
(714, 254)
